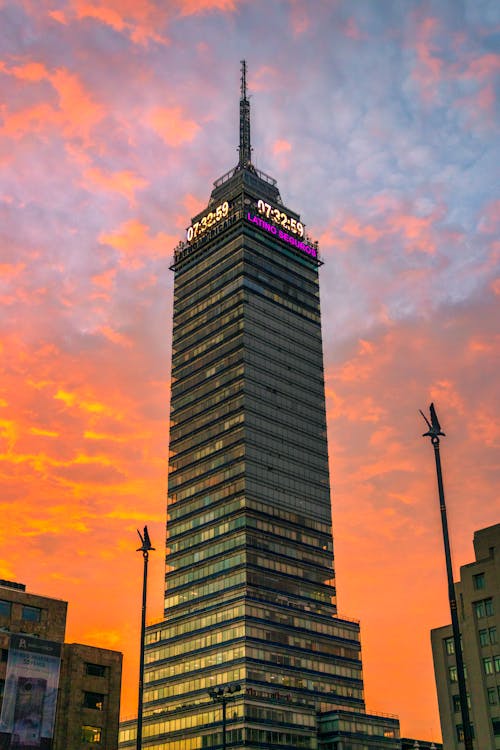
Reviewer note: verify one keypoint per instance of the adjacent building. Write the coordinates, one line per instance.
(478, 599)
(53, 695)
(252, 652)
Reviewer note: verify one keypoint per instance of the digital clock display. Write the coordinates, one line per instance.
(207, 221)
(277, 216)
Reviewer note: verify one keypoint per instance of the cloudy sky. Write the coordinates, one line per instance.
(379, 120)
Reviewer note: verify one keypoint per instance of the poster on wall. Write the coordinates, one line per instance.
(30, 694)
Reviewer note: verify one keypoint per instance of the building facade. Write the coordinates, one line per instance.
(478, 598)
(251, 650)
(62, 696)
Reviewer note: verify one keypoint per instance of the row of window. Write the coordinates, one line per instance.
(207, 449)
(206, 366)
(224, 418)
(176, 579)
(208, 620)
(212, 480)
(188, 324)
(282, 301)
(206, 589)
(232, 632)
(189, 383)
(199, 662)
(200, 340)
(347, 631)
(200, 683)
(483, 608)
(274, 319)
(28, 613)
(211, 304)
(203, 395)
(491, 664)
(291, 494)
(176, 528)
(181, 476)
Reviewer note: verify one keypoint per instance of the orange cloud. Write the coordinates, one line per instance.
(192, 7)
(124, 182)
(170, 124)
(135, 245)
(140, 20)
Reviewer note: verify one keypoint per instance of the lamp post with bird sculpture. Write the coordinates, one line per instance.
(434, 432)
(146, 547)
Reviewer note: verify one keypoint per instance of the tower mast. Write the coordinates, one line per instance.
(245, 148)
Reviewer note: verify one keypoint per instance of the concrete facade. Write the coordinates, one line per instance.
(88, 698)
(478, 600)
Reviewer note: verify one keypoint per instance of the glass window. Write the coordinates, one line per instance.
(483, 608)
(96, 670)
(496, 727)
(450, 645)
(31, 614)
(93, 700)
(453, 674)
(4, 655)
(91, 735)
(478, 581)
(488, 665)
(492, 696)
(496, 661)
(492, 632)
(484, 638)
(5, 608)
(456, 703)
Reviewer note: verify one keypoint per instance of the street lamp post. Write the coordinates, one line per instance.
(145, 548)
(221, 695)
(434, 432)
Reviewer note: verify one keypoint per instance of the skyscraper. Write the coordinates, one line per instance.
(251, 647)
(478, 594)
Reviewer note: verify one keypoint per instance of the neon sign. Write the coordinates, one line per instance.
(281, 235)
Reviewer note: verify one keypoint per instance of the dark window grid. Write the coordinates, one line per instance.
(219, 282)
(205, 334)
(262, 306)
(186, 318)
(299, 304)
(259, 267)
(214, 396)
(230, 359)
(207, 361)
(193, 456)
(283, 258)
(5, 608)
(224, 459)
(288, 369)
(186, 510)
(302, 452)
(229, 253)
(207, 320)
(202, 273)
(188, 558)
(202, 345)
(270, 324)
(219, 425)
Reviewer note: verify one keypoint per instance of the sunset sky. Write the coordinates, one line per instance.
(379, 119)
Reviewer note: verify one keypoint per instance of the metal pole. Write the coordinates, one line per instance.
(224, 700)
(141, 658)
(145, 548)
(434, 432)
(462, 688)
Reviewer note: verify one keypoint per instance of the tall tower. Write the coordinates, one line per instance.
(250, 615)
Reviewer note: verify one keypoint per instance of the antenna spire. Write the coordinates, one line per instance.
(245, 148)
